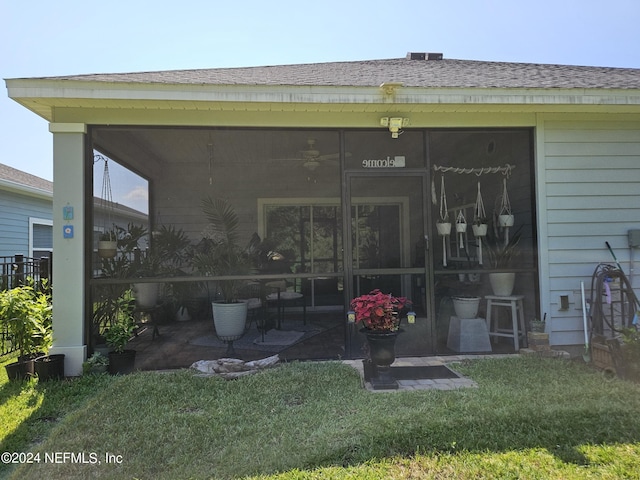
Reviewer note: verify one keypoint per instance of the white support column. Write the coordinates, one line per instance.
(68, 244)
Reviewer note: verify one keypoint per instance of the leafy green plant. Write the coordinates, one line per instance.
(499, 253)
(26, 312)
(95, 362)
(166, 257)
(537, 325)
(119, 334)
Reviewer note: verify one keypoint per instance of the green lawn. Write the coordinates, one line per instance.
(529, 418)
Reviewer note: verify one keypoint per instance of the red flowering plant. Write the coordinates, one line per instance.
(379, 311)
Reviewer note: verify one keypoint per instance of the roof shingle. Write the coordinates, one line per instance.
(23, 178)
(447, 73)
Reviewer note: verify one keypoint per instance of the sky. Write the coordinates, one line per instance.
(44, 38)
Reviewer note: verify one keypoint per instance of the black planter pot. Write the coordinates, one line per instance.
(18, 370)
(382, 352)
(122, 363)
(49, 367)
(23, 368)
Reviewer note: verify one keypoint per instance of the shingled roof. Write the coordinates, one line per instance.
(445, 73)
(24, 179)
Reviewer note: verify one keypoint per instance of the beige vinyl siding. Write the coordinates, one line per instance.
(592, 186)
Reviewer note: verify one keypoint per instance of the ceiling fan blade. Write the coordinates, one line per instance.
(328, 156)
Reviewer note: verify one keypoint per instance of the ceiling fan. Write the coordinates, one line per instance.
(310, 158)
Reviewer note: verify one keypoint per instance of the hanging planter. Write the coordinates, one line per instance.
(480, 223)
(443, 228)
(461, 222)
(505, 220)
(505, 216)
(443, 225)
(108, 244)
(107, 248)
(461, 228)
(479, 216)
(479, 230)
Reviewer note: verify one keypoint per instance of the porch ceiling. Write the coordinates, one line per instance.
(149, 150)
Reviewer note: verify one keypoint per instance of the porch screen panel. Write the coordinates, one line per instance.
(468, 162)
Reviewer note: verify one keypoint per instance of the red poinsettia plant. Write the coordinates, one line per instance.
(379, 311)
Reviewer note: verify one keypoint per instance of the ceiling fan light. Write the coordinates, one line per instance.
(311, 165)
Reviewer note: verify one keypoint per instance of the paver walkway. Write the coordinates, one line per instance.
(428, 384)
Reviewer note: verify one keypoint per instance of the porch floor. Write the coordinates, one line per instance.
(180, 344)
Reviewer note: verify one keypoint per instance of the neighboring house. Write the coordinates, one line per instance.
(25, 214)
(26, 217)
(344, 165)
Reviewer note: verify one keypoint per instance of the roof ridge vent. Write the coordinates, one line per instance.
(423, 56)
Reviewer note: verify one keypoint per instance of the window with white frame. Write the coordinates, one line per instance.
(40, 237)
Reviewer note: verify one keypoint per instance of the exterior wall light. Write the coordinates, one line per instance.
(395, 124)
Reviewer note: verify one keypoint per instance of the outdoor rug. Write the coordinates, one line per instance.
(275, 341)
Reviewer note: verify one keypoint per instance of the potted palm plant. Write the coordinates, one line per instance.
(379, 313)
(165, 257)
(219, 254)
(502, 255)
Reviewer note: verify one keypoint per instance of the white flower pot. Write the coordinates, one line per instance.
(479, 230)
(229, 319)
(146, 294)
(461, 227)
(107, 248)
(444, 228)
(466, 307)
(505, 220)
(502, 283)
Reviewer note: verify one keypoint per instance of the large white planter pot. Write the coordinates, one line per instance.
(146, 294)
(466, 307)
(229, 319)
(502, 283)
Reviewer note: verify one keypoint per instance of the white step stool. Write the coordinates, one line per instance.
(517, 330)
